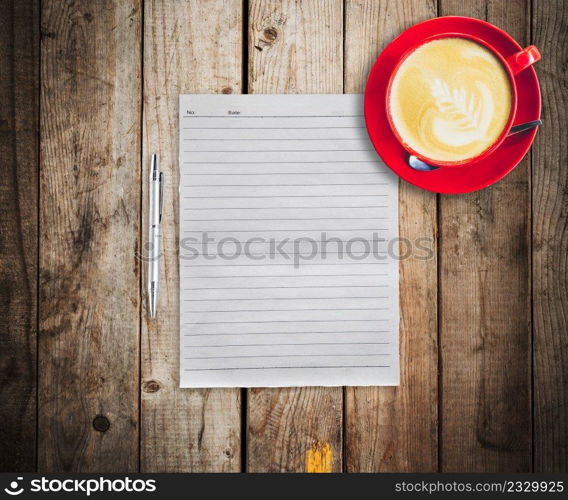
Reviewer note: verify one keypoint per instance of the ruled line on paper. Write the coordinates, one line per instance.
(287, 264)
(239, 313)
(283, 321)
(271, 162)
(281, 333)
(294, 344)
(286, 218)
(292, 298)
(330, 240)
(284, 367)
(221, 139)
(283, 208)
(275, 150)
(272, 116)
(265, 128)
(279, 196)
(196, 311)
(291, 356)
(323, 255)
(287, 230)
(278, 287)
(272, 174)
(286, 275)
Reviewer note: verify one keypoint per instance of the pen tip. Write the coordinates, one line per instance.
(152, 306)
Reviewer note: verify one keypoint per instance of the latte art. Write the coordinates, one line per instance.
(450, 100)
(463, 116)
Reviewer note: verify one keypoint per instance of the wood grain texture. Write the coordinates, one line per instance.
(394, 429)
(190, 46)
(485, 304)
(19, 121)
(295, 47)
(90, 185)
(90, 226)
(550, 247)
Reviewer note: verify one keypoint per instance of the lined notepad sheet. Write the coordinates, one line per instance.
(288, 244)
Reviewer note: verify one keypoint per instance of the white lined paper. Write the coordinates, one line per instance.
(265, 173)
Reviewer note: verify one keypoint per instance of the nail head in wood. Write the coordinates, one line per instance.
(101, 423)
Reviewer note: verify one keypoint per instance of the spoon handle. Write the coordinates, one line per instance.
(524, 126)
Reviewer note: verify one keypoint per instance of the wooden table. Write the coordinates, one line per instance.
(89, 89)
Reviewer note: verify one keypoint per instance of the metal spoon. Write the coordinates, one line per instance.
(418, 164)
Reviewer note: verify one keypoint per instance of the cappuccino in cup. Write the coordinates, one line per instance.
(450, 100)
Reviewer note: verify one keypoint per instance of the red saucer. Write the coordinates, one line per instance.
(450, 180)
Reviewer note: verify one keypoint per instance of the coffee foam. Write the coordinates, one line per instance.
(450, 99)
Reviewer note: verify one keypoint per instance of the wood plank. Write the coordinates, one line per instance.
(394, 429)
(189, 47)
(19, 122)
(295, 47)
(550, 247)
(90, 226)
(485, 304)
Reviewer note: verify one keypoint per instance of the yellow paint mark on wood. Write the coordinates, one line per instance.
(319, 458)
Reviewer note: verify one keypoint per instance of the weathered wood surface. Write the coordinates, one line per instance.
(89, 233)
(394, 429)
(485, 332)
(295, 47)
(106, 105)
(19, 121)
(550, 242)
(189, 47)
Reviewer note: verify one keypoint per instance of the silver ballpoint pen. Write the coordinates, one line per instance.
(156, 203)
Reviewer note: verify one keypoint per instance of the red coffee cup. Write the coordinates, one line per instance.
(512, 65)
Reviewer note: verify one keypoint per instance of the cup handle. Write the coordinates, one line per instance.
(523, 59)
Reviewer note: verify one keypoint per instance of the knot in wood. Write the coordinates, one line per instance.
(151, 386)
(270, 34)
(101, 423)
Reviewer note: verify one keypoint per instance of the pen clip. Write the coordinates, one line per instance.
(161, 204)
